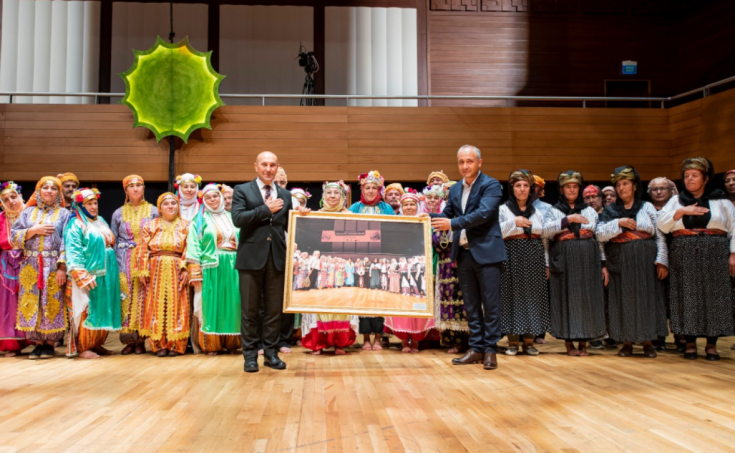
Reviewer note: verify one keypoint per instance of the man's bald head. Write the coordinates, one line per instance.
(266, 166)
(266, 155)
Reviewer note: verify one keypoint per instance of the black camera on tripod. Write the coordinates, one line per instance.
(307, 60)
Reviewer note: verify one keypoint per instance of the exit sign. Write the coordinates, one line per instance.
(630, 67)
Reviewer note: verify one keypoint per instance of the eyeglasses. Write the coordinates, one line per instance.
(659, 189)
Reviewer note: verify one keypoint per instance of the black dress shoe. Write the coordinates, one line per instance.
(36, 353)
(491, 361)
(649, 352)
(47, 351)
(274, 362)
(712, 357)
(251, 365)
(469, 357)
(690, 355)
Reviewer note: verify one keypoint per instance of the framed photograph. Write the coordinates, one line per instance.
(357, 264)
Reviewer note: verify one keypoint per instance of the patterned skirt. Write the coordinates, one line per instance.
(636, 304)
(524, 293)
(577, 302)
(701, 295)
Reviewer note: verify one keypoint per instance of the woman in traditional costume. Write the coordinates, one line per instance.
(384, 274)
(394, 278)
(350, 273)
(93, 294)
(165, 273)
(440, 179)
(636, 257)
(410, 330)
(212, 246)
(524, 294)
(375, 274)
(340, 278)
(577, 302)
(187, 189)
(39, 232)
(320, 332)
(360, 271)
(449, 312)
(323, 272)
(299, 195)
(302, 266)
(12, 340)
(331, 268)
(128, 222)
(371, 195)
(702, 255)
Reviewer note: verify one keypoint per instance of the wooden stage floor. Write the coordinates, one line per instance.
(355, 297)
(369, 401)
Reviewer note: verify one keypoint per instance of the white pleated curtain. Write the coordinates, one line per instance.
(50, 46)
(53, 45)
(372, 51)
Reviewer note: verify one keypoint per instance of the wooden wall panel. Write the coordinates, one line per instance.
(319, 143)
(705, 127)
(527, 53)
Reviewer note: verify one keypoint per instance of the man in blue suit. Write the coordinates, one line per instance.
(471, 213)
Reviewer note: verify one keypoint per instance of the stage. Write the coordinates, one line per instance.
(369, 401)
(348, 296)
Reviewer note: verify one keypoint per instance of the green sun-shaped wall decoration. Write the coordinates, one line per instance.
(172, 89)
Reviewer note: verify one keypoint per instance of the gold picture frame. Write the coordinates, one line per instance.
(355, 300)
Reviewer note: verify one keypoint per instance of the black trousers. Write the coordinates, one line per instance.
(285, 333)
(480, 284)
(261, 288)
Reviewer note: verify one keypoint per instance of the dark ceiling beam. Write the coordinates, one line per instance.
(213, 15)
(105, 50)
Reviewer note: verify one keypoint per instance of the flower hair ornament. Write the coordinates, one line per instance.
(84, 194)
(208, 188)
(10, 186)
(187, 177)
(300, 194)
(344, 189)
(437, 190)
(79, 197)
(371, 177)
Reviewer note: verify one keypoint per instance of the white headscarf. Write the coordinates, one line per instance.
(220, 217)
(188, 207)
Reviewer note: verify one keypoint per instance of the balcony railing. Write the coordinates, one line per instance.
(661, 101)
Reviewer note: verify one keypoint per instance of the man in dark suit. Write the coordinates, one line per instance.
(471, 213)
(260, 209)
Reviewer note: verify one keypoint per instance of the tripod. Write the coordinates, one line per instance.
(308, 89)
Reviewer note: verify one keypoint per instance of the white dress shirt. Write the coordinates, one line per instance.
(465, 196)
(261, 186)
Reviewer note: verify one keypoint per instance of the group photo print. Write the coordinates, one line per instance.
(441, 226)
